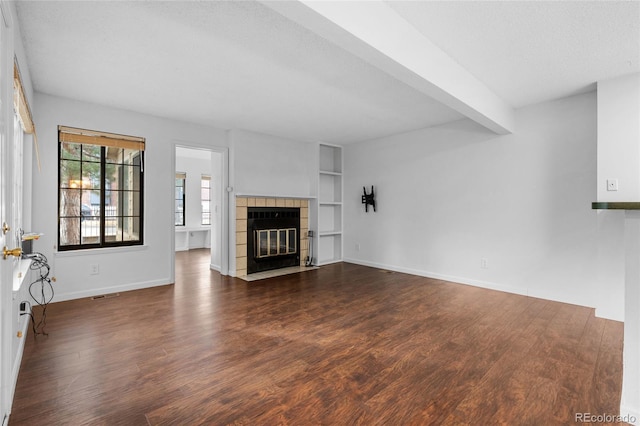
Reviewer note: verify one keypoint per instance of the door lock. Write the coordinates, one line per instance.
(5, 228)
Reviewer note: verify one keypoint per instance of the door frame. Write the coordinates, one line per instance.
(222, 240)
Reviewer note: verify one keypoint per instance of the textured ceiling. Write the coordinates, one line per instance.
(533, 51)
(242, 65)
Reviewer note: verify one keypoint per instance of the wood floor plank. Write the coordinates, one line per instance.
(343, 344)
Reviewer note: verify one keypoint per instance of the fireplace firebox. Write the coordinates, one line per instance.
(273, 238)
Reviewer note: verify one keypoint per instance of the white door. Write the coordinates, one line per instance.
(6, 269)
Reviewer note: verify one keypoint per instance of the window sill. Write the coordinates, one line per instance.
(102, 250)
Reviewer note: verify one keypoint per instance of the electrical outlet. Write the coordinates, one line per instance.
(484, 263)
(358, 247)
(612, 184)
(94, 269)
(23, 306)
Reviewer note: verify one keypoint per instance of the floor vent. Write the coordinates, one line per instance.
(105, 296)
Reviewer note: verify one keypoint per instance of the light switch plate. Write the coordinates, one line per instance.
(612, 184)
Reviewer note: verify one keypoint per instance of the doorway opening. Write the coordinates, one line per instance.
(199, 206)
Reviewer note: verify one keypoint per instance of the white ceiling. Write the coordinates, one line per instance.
(240, 64)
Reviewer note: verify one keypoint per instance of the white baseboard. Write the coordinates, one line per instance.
(61, 297)
(451, 278)
(600, 313)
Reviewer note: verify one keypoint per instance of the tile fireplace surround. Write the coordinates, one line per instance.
(241, 225)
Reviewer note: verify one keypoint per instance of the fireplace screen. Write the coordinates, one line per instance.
(275, 242)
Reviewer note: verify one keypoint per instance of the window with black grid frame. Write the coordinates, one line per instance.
(100, 189)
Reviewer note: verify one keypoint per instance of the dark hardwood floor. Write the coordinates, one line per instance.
(343, 345)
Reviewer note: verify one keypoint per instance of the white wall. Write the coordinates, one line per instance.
(272, 166)
(120, 268)
(619, 138)
(449, 197)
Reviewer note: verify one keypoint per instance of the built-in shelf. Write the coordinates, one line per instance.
(616, 205)
(184, 236)
(329, 204)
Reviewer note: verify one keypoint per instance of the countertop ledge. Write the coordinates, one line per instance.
(616, 205)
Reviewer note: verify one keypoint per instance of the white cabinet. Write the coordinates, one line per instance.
(329, 204)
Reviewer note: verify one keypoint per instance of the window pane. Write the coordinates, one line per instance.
(205, 199)
(131, 156)
(179, 211)
(123, 176)
(111, 229)
(91, 153)
(70, 174)
(91, 175)
(114, 155)
(130, 228)
(179, 192)
(69, 231)
(131, 181)
(70, 150)
(90, 230)
(70, 202)
(94, 202)
(135, 203)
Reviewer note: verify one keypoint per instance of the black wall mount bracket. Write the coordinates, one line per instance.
(368, 199)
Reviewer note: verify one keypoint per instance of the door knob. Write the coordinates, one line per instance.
(5, 228)
(16, 252)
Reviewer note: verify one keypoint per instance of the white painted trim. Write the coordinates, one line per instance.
(225, 205)
(444, 277)
(99, 251)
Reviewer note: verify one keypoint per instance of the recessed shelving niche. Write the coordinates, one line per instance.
(329, 204)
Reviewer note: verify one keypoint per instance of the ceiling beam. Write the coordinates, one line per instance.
(374, 32)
